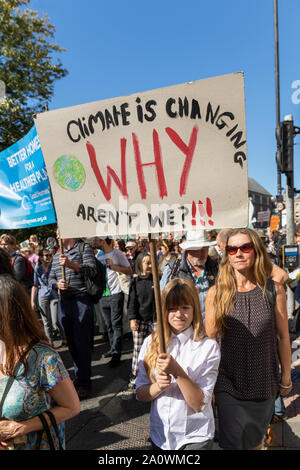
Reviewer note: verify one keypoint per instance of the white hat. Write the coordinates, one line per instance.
(130, 244)
(196, 240)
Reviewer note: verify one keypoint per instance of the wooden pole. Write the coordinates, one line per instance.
(61, 246)
(154, 264)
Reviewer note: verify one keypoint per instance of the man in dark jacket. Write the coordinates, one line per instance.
(133, 253)
(19, 264)
(195, 265)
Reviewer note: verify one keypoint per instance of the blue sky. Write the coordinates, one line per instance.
(119, 48)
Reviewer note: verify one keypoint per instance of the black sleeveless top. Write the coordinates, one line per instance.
(249, 367)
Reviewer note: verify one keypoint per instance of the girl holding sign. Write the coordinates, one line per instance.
(180, 382)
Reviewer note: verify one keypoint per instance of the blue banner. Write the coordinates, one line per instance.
(25, 199)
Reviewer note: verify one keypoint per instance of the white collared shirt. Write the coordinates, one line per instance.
(172, 422)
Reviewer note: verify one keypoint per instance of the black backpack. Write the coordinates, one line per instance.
(29, 276)
(271, 291)
(95, 284)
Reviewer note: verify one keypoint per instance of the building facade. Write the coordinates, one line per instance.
(262, 204)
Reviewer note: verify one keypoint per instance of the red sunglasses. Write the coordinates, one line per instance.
(246, 248)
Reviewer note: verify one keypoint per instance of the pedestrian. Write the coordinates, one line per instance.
(34, 239)
(167, 255)
(119, 244)
(141, 310)
(253, 328)
(271, 249)
(5, 264)
(99, 324)
(125, 280)
(112, 301)
(22, 268)
(177, 250)
(279, 275)
(34, 255)
(40, 378)
(132, 254)
(47, 297)
(221, 239)
(195, 265)
(75, 307)
(27, 252)
(179, 383)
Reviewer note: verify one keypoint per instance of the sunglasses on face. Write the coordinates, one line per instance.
(47, 256)
(246, 248)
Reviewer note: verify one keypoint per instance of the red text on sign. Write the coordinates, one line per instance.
(187, 149)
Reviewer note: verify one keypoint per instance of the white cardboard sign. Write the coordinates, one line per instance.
(170, 159)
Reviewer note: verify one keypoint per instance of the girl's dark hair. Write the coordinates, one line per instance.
(19, 324)
(168, 244)
(40, 255)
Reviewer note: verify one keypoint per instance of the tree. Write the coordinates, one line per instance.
(27, 68)
(42, 232)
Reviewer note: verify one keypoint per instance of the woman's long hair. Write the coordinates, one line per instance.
(177, 292)
(226, 281)
(19, 324)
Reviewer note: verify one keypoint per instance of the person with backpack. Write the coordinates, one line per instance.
(75, 306)
(22, 267)
(254, 334)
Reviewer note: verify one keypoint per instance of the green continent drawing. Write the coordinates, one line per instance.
(69, 173)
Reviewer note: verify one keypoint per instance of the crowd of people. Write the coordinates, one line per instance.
(225, 324)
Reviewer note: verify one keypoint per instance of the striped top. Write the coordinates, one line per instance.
(75, 280)
(249, 367)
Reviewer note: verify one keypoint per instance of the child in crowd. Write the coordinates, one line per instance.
(141, 309)
(180, 382)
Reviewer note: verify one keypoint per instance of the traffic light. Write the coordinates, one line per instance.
(285, 147)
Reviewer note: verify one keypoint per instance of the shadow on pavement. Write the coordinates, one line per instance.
(110, 418)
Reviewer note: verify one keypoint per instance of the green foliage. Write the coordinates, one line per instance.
(42, 233)
(27, 68)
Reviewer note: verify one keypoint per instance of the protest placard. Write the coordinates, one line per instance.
(170, 159)
(274, 222)
(25, 199)
(263, 216)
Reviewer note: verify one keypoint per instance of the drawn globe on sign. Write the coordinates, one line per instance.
(69, 173)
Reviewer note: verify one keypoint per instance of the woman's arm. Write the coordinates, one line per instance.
(283, 338)
(210, 325)
(67, 406)
(34, 291)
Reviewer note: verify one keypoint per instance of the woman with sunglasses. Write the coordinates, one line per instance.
(252, 324)
(47, 297)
